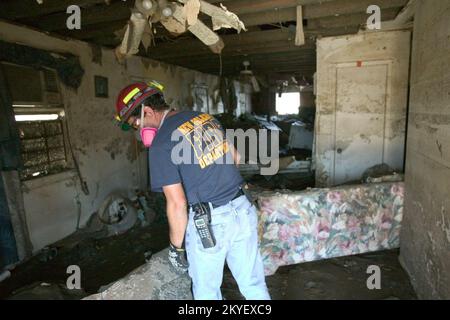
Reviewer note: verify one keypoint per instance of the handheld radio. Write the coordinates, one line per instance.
(202, 220)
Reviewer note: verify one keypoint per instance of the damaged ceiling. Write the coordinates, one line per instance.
(268, 44)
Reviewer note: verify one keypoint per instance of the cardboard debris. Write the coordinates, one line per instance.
(184, 18)
(205, 34)
(147, 36)
(299, 35)
(192, 9)
(133, 35)
(199, 29)
(217, 47)
(174, 26)
(222, 18)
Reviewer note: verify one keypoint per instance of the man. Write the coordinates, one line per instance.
(210, 218)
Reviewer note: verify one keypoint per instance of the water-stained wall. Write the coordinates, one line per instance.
(425, 236)
(109, 159)
(362, 85)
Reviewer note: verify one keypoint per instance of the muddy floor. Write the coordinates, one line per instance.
(107, 260)
(103, 261)
(342, 278)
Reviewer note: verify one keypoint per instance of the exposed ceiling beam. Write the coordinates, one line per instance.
(264, 58)
(258, 60)
(349, 19)
(235, 40)
(273, 47)
(331, 9)
(98, 14)
(120, 10)
(341, 7)
(97, 30)
(274, 17)
(246, 43)
(249, 6)
(17, 9)
(108, 28)
(293, 69)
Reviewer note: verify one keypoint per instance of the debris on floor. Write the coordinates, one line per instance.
(301, 136)
(316, 224)
(381, 173)
(155, 280)
(47, 291)
(5, 275)
(102, 260)
(118, 214)
(343, 278)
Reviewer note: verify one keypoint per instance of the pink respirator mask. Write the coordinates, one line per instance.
(148, 134)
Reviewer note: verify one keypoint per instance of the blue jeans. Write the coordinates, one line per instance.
(235, 229)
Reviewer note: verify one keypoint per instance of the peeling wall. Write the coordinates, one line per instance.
(361, 104)
(110, 160)
(425, 236)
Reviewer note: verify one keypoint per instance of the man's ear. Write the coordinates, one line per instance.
(148, 111)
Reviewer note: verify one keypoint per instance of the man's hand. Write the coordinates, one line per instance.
(178, 258)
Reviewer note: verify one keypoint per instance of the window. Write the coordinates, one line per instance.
(43, 148)
(288, 103)
(39, 113)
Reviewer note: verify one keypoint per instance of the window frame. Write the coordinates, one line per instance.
(52, 103)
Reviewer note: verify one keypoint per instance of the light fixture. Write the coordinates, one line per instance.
(167, 12)
(37, 117)
(147, 4)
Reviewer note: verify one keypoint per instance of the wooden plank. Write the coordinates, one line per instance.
(251, 6)
(116, 11)
(238, 65)
(293, 70)
(17, 9)
(98, 14)
(299, 34)
(268, 17)
(272, 47)
(234, 40)
(247, 43)
(402, 21)
(332, 9)
(349, 19)
(254, 60)
(97, 30)
(407, 13)
(286, 54)
(278, 56)
(342, 7)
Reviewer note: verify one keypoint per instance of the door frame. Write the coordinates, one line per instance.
(333, 70)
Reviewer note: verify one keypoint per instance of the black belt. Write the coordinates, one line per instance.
(240, 193)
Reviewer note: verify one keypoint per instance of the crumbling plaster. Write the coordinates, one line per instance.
(106, 155)
(425, 236)
(337, 58)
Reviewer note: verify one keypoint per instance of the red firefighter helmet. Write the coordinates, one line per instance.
(132, 96)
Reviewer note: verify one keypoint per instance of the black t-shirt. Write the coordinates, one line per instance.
(190, 148)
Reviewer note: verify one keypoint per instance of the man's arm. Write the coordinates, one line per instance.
(176, 213)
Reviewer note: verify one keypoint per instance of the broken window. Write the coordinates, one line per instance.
(288, 103)
(39, 113)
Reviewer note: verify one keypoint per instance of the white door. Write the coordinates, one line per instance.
(360, 116)
(361, 104)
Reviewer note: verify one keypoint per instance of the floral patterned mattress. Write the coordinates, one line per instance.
(297, 227)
